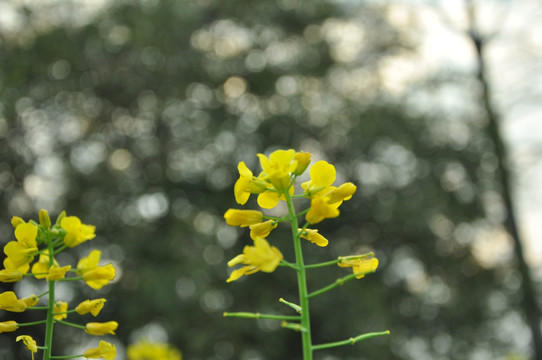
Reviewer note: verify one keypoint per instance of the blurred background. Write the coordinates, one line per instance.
(133, 116)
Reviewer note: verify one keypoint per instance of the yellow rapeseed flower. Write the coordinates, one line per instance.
(30, 300)
(95, 276)
(278, 168)
(144, 350)
(90, 306)
(10, 275)
(57, 273)
(322, 174)
(343, 192)
(243, 218)
(16, 221)
(96, 328)
(26, 234)
(246, 184)
(320, 209)
(45, 220)
(260, 257)
(313, 236)
(21, 252)
(29, 342)
(60, 309)
(10, 302)
(360, 265)
(104, 350)
(76, 232)
(40, 268)
(303, 160)
(262, 229)
(8, 326)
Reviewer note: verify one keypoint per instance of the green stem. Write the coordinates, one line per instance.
(250, 315)
(337, 282)
(319, 265)
(49, 321)
(350, 341)
(301, 282)
(32, 323)
(71, 324)
(288, 264)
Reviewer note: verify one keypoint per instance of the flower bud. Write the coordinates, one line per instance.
(243, 218)
(16, 221)
(61, 216)
(8, 326)
(45, 220)
(96, 328)
(303, 160)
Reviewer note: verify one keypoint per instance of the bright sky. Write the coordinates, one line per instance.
(514, 58)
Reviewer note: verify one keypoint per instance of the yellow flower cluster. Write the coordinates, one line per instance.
(275, 183)
(144, 350)
(45, 241)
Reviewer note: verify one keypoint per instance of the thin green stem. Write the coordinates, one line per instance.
(250, 315)
(350, 341)
(79, 326)
(301, 282)
(322, 264)
(49, 321)
(288, 264)
(39, 322)
(337, 282)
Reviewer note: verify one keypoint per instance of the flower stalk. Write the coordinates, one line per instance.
(275, 184)
(45, 241)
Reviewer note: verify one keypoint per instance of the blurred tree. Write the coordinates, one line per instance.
(135, 118)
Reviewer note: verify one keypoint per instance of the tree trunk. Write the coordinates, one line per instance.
(530, 306)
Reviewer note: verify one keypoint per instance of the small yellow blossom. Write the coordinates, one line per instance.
(26, 235)
(322, 174)
(278, 168)
(144, 350)
(10, 275)
(313, 236)
(95, 276)
(96, 328)
(30, 300)
(10, 302)
(40, 269)
(320, 209)
(29, 342)
(8, 326)
(343, 192)
(21, 252)
(60, 309)
(243, 218)
(360, 265)
(270, 199)
(45, 220)
(262, 229)
(104, 350)
(260, 257)
(100, 276)
(303, 160)
(246, 184)
(90, 306)
(16, 221)
(57, 273)
(76, 232)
